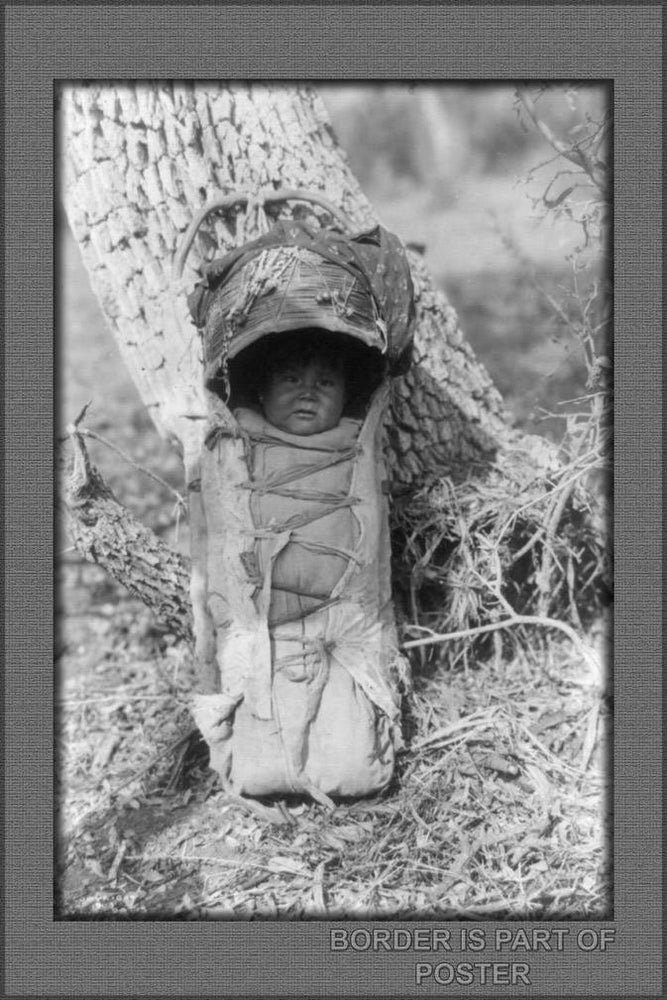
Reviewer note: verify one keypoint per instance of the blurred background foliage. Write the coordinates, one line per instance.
(462, 170)
(441, 137)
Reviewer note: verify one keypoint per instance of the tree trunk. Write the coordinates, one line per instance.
(138, 162)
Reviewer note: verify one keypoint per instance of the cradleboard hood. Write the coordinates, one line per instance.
(296, 277)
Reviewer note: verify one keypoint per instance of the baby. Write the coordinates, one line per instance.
(304, 385)
(304, 396)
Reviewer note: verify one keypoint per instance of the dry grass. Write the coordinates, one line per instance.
(499, 807)
(490, 561)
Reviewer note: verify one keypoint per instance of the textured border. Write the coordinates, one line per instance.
(47, 43)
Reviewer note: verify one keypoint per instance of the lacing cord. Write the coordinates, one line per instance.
(271, 483)
(294, 756)
(317, 496)
(324, 549)
(332, 502)
(317, 647)
(303, 613)
(261, 438)
(300, 593)
(300, 520)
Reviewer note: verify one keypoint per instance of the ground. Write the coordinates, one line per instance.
(498, 808)
(500, 802)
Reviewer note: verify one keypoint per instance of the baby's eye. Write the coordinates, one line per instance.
(326, 382)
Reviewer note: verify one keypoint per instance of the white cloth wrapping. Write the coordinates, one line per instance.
(311, 704)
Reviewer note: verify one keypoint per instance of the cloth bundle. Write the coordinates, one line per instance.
(300, 597)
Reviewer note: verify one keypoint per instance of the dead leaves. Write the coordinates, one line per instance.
(105, 751)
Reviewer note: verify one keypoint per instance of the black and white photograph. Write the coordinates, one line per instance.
(333, 472)
(333, 559)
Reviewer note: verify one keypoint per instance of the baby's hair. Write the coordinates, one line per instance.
(301, 348)
(361, 367)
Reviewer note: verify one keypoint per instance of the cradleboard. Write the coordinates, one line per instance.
(292, 588)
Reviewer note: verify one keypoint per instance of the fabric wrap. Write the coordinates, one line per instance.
(298, 580)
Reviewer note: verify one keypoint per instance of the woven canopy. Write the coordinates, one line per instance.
(294, 278)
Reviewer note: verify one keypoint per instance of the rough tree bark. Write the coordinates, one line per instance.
(137, 162)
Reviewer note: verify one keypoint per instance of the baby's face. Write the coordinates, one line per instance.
(304, 398)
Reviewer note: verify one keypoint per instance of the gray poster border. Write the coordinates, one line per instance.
(44, 44)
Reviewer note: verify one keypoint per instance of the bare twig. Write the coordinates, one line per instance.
(84, 432)
(539, 620)
(119, 698)
(155, 759)
(574, 152)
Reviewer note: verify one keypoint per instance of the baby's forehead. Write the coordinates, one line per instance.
(316, 359)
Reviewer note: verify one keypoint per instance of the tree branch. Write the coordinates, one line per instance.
(105, 532)
(574, 153)
(539, 620)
